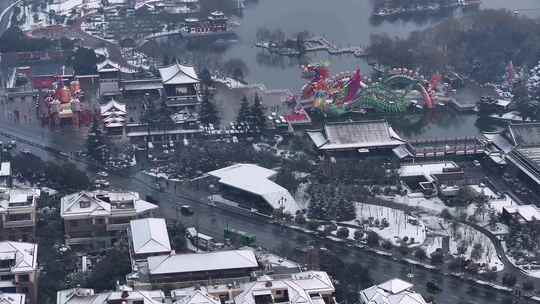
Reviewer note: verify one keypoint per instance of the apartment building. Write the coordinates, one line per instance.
(18, 214)
(100, 218)
(19, 270)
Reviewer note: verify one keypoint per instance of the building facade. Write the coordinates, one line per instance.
(19, 269)
(100, 218)
(18, 214)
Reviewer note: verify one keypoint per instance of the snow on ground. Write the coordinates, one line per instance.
(230, 82)
(64, 6)
(417, 200)
(425, 169)
(460, 234)
(529, 269)
(400, 225)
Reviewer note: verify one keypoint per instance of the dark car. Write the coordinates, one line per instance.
(186, 210)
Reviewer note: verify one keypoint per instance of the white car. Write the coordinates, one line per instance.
(102, 174)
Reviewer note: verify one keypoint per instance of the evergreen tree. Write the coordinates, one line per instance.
(208, 113)
(206, 77)
(95, 143)
(244, 113)
(258, 119)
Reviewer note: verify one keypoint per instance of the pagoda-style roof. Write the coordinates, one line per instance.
(178, 74)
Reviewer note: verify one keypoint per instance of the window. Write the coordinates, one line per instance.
(74, 223)
(85, 204)
(100, 221)
(23, 278)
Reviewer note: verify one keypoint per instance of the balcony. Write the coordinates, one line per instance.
(183, 100)
(18, 224)
(116, 227)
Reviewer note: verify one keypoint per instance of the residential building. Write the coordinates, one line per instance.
(312, 287)
(369, 136)
(18, 213)
(123, 296)
(19, 269)
(99, 218)
(148, 237)
(183, 270)
(251, 186)
(395, 291)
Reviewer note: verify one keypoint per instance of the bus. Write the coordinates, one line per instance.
(238, 236)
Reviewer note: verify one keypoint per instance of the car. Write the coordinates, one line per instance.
(476, 163)
(186, 210)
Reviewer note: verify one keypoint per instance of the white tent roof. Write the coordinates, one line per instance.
(254, 179)
(195, 262)
(178, 74)
(149, 235)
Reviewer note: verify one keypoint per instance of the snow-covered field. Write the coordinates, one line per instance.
(417, 200)
(460, 235)
(400, 225)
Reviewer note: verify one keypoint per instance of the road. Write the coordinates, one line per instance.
(211, 220)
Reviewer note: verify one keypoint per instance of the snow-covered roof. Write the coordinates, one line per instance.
(83, 204)
(24, 255)
(108, 66)
(196, 262)
(101, 203)
(527, 212)
(301, 288)
(88, 296)
(5, 169)
(499, 140)
(15, 198)
(12, 298)
(355, 135)
(190, 296)
(178, 74)
(395, 291)
(255, 179)
(426, 169)
(525, 134)
(149, 235)
(113, 107)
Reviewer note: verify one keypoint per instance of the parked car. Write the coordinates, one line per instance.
(186, 210)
